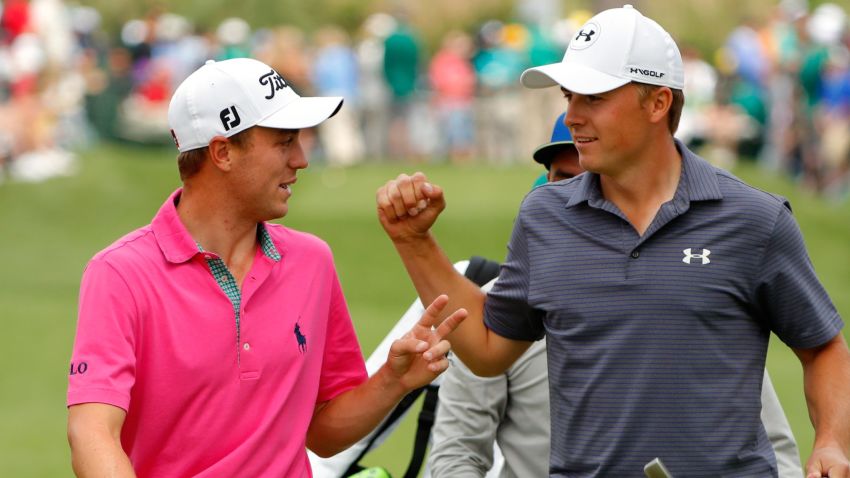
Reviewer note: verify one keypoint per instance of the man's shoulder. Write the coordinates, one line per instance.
(744, 195)
(293, 239)
(132, 245)
(557, 193)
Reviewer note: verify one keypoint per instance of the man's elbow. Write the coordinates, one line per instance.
(323, 449)
(486, 370)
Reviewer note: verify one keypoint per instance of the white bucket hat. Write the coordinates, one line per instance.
(613, 48)
(223, 98)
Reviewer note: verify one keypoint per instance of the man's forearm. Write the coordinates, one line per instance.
(95, 454)
(827, 385)
(348, 417)
(432, 274)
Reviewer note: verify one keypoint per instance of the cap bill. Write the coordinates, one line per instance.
(303, 112)
(543, 154)
(572, 76)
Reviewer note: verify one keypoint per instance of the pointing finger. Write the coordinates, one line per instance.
(431, 317)
(451, 323)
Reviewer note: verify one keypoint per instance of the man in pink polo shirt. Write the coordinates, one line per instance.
(213, 343)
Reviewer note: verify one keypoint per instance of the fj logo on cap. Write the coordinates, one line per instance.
(585, 37)
(274, 81)
(703, 257)
(229, 118)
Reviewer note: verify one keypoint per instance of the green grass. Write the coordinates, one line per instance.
(48, 231)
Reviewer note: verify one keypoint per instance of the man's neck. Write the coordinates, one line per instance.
(649, 181)
(217, 227)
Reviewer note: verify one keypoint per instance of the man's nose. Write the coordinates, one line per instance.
(298, 160)
(573, 116)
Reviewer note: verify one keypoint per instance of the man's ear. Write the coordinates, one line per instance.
(658, 104)
(219, 150)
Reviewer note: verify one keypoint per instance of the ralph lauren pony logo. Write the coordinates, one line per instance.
(301, 338)
(275, 82)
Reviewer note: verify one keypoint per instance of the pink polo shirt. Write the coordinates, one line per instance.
(156, 336)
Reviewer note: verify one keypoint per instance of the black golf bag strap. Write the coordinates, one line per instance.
(423, 431)
(393, 417)
(481, 270)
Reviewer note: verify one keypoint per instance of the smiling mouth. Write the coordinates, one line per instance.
(583, 140)
(287, 186)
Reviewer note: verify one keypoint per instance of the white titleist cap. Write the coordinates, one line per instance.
(613, 48)
(223, 98)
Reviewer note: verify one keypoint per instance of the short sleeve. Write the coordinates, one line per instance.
(343, 367)
(793, 300)
(103, 361)
(507, 311)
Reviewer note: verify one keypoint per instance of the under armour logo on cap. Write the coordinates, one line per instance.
(587, 35)
(703, 256)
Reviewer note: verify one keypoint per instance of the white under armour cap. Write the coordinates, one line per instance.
(613, 48)
(223, 98)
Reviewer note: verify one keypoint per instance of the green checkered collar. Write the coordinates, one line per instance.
(266, 243)
(269, 249)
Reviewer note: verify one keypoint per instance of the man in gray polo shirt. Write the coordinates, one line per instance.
(656, 279)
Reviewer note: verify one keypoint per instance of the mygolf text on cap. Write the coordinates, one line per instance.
(223, 98)
(613, 48)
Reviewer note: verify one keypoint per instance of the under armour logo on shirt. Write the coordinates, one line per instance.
(689, 256)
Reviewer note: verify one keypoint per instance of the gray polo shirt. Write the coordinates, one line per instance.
(657, 343)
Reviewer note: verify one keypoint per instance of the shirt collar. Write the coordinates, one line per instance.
(177, 244)
(697, 183)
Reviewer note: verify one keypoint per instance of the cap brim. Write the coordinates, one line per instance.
(572, 76)
(543, 154)
(303, 112)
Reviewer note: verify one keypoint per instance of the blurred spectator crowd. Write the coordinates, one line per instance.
(777, 91)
